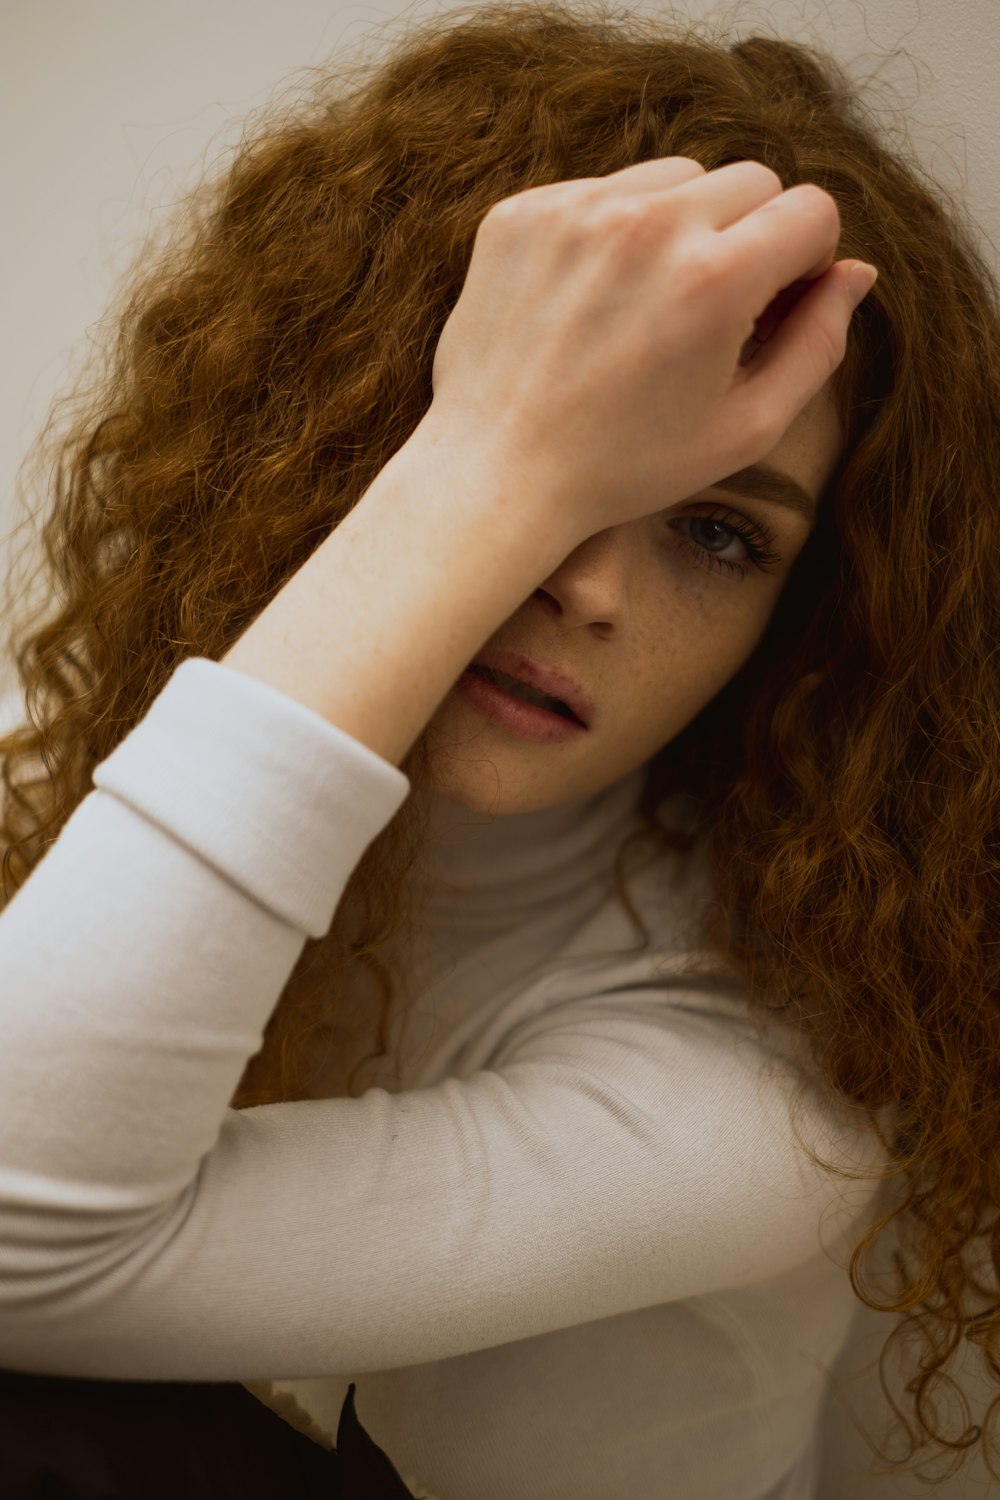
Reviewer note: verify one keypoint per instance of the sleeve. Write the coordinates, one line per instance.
(616, 1154)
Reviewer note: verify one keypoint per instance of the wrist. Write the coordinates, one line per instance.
(495, 490)
(376, 627)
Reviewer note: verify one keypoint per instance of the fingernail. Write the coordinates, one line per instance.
(860, 281)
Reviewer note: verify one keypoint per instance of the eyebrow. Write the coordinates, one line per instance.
(760, 482)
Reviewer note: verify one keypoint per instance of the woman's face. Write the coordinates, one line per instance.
(650, 621)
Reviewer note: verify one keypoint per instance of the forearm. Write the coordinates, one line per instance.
(377, 626)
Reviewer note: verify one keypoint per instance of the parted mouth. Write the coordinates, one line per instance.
(549, 682)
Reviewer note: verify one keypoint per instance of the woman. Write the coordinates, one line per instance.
(365, 444)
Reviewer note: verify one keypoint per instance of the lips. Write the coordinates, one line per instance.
(550, 680)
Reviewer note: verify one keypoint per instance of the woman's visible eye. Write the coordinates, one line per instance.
(755, 539)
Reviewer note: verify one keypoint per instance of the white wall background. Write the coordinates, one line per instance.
(111, 109)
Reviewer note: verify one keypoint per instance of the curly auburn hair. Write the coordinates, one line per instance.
(277, 351)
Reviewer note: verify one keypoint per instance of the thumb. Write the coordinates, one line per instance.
(800, 355)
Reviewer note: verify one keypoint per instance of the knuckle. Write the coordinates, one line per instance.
(625, 215)
(587, 190)
(687, 161)
(516, 206)
(504, 212)
(768, 176)
(819, 202)
(706, 266)
(618, 220)
(517, 203)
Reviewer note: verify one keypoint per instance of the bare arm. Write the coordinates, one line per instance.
(378, 625)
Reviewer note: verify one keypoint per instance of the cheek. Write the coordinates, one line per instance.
(690, 632)
(700, 659)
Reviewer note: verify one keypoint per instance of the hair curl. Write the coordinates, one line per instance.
(277, 351)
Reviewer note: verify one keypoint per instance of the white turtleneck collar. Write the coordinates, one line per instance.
(488, 873)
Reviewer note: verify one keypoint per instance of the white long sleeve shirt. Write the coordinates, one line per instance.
(566, 1244)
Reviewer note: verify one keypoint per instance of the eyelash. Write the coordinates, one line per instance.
(756, 538)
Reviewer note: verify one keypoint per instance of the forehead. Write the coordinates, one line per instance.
(809, 450)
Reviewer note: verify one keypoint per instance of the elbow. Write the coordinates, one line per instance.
(64, 1282)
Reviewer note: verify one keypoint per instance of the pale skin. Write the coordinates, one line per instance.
(375, 629)
(649, 633)
(527, 509)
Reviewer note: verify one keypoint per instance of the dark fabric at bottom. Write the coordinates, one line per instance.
(63, 1438)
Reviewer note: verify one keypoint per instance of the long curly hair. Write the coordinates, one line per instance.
(260, 367)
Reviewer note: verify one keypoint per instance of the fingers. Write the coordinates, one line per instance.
(781, 239)
(793, 365)
(716, 199)
(777, 310)
(773, 315)
(725, 196)
(660, 175)
(651, 176)
(792, 237)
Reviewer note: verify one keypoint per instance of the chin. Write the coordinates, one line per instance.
(480, 786)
